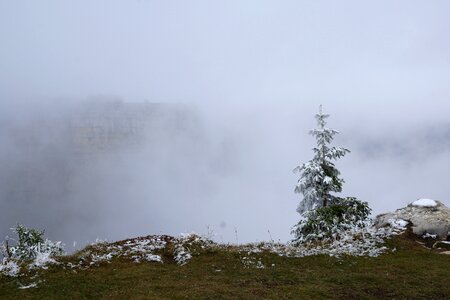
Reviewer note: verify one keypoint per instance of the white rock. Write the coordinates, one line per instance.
(425, 215)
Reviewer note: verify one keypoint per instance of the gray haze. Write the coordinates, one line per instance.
(238, 83)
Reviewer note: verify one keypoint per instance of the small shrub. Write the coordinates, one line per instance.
(30, 242)
(331, 221)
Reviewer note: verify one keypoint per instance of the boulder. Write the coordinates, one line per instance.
(425, 215)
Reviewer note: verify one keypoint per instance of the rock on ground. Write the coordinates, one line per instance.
(433, 218)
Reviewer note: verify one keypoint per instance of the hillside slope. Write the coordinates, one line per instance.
(411, 271)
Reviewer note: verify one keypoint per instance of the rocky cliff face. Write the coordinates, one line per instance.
(63, 166)
(105, 126)
(426, 216)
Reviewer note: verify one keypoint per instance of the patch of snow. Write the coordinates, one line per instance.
(252, 262)
(42, 260)
(327, 180)
(398, 223)
(425, 203)
(182, 256)
(96, 258)
(31, 285)
(142, 249)
(147, 257)
(9, 268)
(153, 257)
(361, 240)
(427, 235)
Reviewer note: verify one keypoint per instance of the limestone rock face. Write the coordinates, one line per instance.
(425, 215)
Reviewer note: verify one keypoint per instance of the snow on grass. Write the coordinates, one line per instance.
(153, 257)
(425, 203)
(182, 256)
(42, 260)
(98, 258)
(361, 240)
(252, 262)
(9, 268)
(31, 285)
(183, 245)
(137, 250)
(142, 249)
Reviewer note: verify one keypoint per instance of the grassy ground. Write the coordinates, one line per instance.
(410, 272)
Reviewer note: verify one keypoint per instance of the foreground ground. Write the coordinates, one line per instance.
(409, 272)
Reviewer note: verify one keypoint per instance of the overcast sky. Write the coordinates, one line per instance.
(255, 71)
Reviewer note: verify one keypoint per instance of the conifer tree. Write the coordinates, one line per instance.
(319, 177)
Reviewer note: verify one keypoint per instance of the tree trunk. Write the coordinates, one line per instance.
(8, 252)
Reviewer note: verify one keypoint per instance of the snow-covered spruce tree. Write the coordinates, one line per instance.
(319, 177)
(326, 217)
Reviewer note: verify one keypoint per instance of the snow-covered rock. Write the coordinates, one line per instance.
(425, 215)
(424, 203)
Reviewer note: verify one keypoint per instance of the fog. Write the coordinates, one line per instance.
(222, 96)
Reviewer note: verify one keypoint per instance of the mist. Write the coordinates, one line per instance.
(220, 98)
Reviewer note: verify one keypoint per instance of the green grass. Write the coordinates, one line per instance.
(410, 272)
